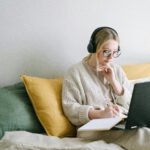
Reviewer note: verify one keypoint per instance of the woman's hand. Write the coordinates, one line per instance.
(107, 112)
(107, 72)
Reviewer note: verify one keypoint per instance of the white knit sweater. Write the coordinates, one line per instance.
(83, 89)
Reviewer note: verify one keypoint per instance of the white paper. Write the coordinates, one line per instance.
(100, 124)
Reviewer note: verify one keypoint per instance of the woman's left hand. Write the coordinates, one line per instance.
(108, 72)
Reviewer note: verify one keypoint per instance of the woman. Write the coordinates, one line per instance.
(98, 88)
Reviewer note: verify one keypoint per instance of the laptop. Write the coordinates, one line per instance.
(139, 110)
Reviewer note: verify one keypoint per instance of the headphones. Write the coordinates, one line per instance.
(92, 46)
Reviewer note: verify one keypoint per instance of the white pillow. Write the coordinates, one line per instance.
(146, 79)
(141, 80)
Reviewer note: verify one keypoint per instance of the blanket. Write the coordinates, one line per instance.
(22, 140)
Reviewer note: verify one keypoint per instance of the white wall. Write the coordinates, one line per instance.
(44, 37)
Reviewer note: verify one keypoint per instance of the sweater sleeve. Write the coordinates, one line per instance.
(124, 100)
(72, 102)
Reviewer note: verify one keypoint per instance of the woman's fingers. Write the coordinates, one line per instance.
(116, 107)
(101, 68)
(111, 111)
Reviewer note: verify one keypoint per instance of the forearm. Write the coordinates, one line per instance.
(76, 113)
(118, 89)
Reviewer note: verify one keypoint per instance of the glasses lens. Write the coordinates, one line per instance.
(116, 53)
(106, 53)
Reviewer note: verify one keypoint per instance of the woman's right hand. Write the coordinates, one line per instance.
(107, 112)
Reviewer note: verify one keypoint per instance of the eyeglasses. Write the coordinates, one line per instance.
(108, 53)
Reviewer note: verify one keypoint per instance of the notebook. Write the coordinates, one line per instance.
(139, 110)
(100, 124)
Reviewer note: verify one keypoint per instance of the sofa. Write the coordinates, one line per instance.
(31, 116)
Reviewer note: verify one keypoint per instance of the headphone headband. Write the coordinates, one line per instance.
(91, 46)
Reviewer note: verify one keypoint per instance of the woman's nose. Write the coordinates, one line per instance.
(110, 56)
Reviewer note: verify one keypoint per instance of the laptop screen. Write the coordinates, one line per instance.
(139, 111)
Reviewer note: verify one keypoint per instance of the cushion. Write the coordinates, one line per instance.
(137, 71)
(45, 95)
(16, 111)
(147, 79)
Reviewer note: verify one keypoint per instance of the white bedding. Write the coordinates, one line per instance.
(22, 140)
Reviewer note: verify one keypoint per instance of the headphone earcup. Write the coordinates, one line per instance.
(91, 48)
(118, 48)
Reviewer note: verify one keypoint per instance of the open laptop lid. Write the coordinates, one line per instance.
(139, 111)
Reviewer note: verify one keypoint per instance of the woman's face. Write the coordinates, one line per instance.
(107, 51)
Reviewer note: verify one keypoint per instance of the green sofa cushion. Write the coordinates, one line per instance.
(16, 111)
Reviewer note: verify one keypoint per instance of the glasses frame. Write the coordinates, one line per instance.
(108, 53)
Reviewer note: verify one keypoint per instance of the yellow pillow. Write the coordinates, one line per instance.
(45, 95)
(137, 71)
